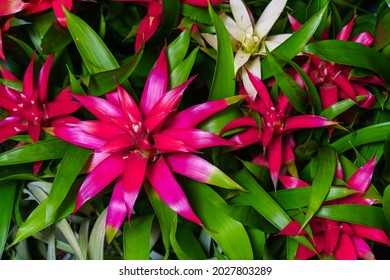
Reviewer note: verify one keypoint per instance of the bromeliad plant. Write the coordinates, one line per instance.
(189, 130)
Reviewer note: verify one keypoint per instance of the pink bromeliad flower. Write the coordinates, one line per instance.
(150, 142)
(334, 80)
(275, 133)
(29, 109)
(343, 240)
(150, 23)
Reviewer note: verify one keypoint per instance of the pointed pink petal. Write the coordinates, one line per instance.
(2, 55)
(99, 178)
(117, 143)
(292, 182)
(34, 131)
(61, 108)
(364, 38)
(9, 129)
(191, 116)
(261, 159)
(345, 85)
(366, 103)
(246, 138)
(165, 105)
(239, 123)
(345, 249)
(94, 160)
(98, 129)
(329, 94)
(304, 253)
(296, 25)
(198, 169)
(331, 234)
(361, 179)
(133, 179)
(99, 107)
(292, 229)
(116, 211)
(275, 156)
(28, 79)
(44, 77)
(57, 8)
(156, 84)
(306, 121)
(147, 28)
(196, 138)
(168, 144)
(10, 7)
(8, 104)
(363, 250)
(345, 32)
(267, 134)
(166, 186)
(129, 107)
(287, 152)
(261, 89)
(36, 166)
(370, 233)
(367, 80)
(38, 6)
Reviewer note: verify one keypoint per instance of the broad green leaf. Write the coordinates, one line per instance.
(295, 44)
(326, 167)
(370, 134)
(181, 73)
(136, 238)
(75, 85)
(39, 28)
(15, 85)
(352, 54)
(25, 47)
(338, 108)
(199, 14)
(386, 168)
(228, 233)
(184, 243)
(386, 203)
(17, 172)
(314, 7)
(382, 35)
(223, 82)
(42, 150)
(97, 238)
(71, 166)
(7, 195)
(95, 54)
(268, 208)
(258, 240)
(295, 94)
(370, 216)
(165, 215)
(106, 81)
(177, 50)
(55, 39)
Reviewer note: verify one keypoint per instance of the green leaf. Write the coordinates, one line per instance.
(42, 150)
(136, 238)
(55, 39)
(326, 167)
(370, 134)
(106, 81)
(165, 215)
(95, 54)
(181, 73)
(352, 54)
(7, 195)
(229, 234)
(382, 35)
(97, 238)
(314, 7)
(340, 107)
(295, 94)
(370, 216)
(386, 152)
(70, 167)
(293, 45)
(39, 28)
(177, 50)
(386, 203)
(223, 82)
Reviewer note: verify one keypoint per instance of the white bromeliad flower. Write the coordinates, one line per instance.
(249, 39)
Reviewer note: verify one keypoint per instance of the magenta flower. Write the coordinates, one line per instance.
(334, 80)
(36, 6)
(30, 109)
(150, 142)
(275, 133)
(152, 20)
(343, 240)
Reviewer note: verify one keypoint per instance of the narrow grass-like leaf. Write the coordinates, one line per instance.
(136, 238)
(370, 216)
(295, 94)
(258, 240)
(71, 165)
(340, 107)
(42, 150)
(370, 134)
(177, 50)
(184, 243)
(95, 54)
(181, 73)
(223, 82)
(293, 45)
(313, 8)
(103, 82)
(64, 227)
(165, 215)
(55, 39)
(322, 181)
(7, 195)
(97, 238)
(386, 203)
(386, 168)
(352, 54)
(228, 233)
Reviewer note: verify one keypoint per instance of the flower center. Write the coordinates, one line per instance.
(29, 110)
(142, 143)
(250, 44)
(275, 120)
